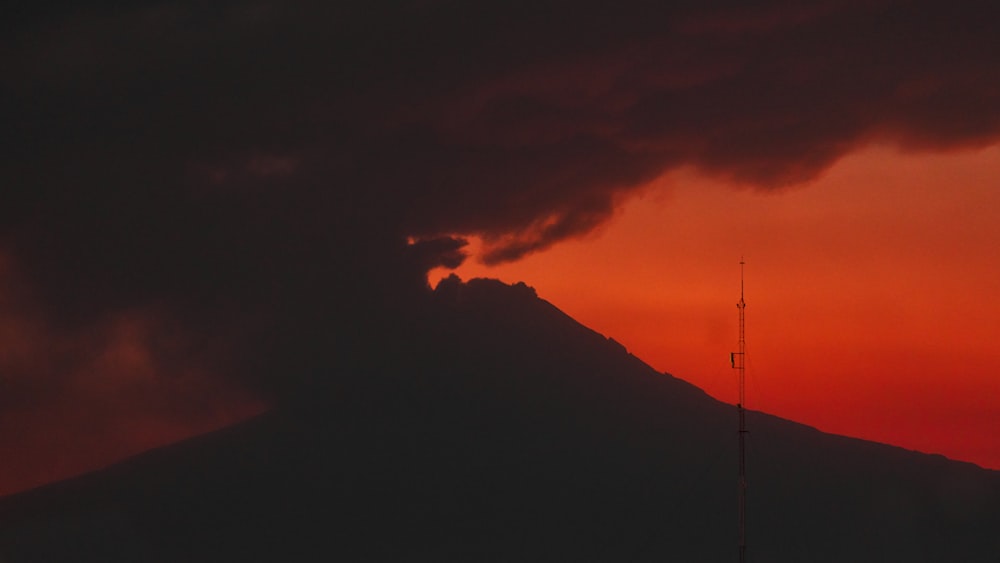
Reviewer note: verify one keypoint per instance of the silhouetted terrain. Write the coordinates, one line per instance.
(490, 426)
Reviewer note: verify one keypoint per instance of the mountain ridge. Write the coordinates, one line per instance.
(495, 427)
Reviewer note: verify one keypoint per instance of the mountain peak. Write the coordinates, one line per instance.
(497, 428)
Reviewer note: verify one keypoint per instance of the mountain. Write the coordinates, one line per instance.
(492, 427)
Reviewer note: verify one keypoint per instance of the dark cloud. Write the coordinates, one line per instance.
(255, 172)
(516, 121)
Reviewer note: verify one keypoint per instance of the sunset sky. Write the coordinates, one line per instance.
(204, 205)
(872, 293)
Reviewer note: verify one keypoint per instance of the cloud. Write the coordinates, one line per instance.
(432, 118)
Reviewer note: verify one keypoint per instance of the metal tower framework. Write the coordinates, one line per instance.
(738, 360)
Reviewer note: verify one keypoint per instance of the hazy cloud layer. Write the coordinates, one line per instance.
(250, 172)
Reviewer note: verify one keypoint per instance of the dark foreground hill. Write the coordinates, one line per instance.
(498, 429)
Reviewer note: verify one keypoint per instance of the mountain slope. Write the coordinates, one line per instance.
(492, 427)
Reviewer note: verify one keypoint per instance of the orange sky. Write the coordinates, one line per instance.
(871, 293)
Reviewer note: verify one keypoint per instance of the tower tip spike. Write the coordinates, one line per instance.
(742, 262)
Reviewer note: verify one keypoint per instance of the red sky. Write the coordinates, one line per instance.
(872, 293)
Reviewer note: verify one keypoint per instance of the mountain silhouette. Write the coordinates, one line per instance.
(490, 426)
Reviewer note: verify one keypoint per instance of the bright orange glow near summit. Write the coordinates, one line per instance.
(871, 293)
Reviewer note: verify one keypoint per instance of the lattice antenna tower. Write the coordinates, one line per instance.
(738, 361)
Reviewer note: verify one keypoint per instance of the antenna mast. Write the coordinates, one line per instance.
(738, 360)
